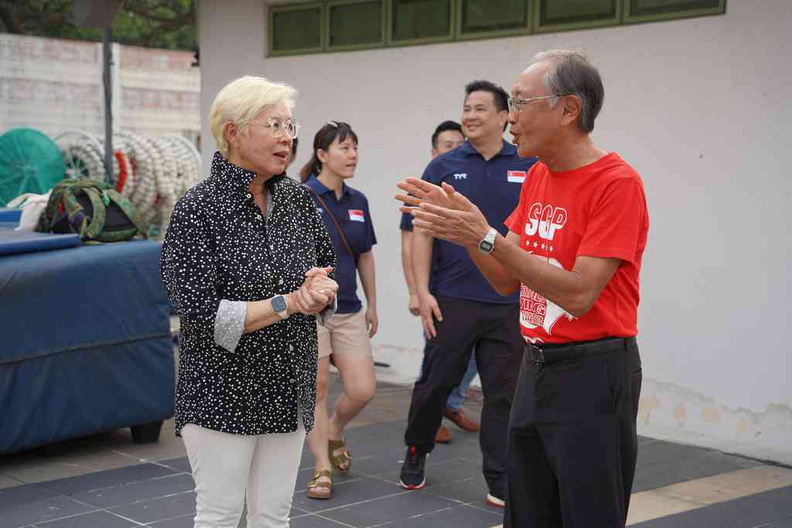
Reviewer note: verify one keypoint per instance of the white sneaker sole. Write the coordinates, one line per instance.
(412, 486)
(494, 501)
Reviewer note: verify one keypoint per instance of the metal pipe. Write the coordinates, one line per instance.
(107, 78)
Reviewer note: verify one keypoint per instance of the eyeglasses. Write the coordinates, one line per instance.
(290, 127)
(516, 105)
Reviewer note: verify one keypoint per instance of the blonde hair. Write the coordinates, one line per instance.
(240, 101)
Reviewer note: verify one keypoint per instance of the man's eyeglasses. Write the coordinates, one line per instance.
(517, 105)
(278, 127)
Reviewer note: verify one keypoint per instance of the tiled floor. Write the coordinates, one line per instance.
(109, 482)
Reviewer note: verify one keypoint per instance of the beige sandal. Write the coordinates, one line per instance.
(341, 462)
(322, 490)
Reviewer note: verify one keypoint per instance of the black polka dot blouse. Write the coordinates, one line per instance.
(219, 247)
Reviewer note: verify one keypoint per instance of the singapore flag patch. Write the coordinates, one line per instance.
(515, 176)
(356, 215)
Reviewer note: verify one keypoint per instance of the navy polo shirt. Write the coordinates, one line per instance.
(352, 214)
(494, 186)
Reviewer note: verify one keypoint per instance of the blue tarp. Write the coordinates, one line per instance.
(84, 343)
(10, 215)
(13, 242)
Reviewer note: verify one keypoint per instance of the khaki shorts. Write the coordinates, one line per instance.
(344, 334)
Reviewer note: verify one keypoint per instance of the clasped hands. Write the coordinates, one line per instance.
(317, 292)
(441, 212)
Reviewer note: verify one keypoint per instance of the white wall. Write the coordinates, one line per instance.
(55, 85)
(699, 106)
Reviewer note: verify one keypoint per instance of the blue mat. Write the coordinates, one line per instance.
(10, 215)
(86, 343)
(13, 242)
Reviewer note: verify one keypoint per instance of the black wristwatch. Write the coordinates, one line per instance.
(280, 306)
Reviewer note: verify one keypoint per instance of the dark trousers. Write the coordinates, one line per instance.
(572, 442)
(493, 330)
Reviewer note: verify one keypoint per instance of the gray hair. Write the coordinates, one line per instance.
(573, 74)
(241, 100)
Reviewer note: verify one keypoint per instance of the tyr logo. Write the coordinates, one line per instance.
(545, 220)
(460, 176)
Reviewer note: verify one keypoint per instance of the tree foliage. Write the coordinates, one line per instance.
(168, 24)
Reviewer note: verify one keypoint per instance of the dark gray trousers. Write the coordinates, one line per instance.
(572, 442)
(493, 331)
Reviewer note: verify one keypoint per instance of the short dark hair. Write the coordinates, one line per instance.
(498, 94)
(445, 126)
(331, 131)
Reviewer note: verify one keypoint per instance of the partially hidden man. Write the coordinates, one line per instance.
(459, 310)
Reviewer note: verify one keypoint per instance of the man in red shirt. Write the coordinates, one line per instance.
(574, 250)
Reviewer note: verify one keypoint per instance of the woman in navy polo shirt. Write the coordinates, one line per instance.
(345, 335)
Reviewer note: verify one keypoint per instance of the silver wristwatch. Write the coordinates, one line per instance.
(280, 306)
(487, 244)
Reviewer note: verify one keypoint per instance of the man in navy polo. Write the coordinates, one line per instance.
(446, 137)
(462, 312)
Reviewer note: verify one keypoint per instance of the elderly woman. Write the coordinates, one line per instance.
(246, 262)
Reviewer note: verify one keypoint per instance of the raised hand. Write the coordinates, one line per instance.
(443, 213)
(423, 192)
(420, 191)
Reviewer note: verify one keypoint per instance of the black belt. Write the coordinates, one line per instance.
(562, 352)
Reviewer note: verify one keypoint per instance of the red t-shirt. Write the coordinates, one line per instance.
(598, 210)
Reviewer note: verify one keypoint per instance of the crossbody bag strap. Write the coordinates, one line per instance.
(333, 218)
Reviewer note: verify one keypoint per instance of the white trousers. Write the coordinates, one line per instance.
(228, 469)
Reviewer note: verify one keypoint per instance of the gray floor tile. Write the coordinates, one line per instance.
(179, 464)
(783, 523)
(387, 509)
(693, 463)
(137, 491)
(660, 451)
(365, 447)
(747, 512)
(160, 495)
(313, 521)
(712, 463)
(644, 440)
(19, 496)
(185, 521)
(470, 490)
(104, 479)
(453, 517)
(377, 465)
(97, 519)
(391, 432)
(353, 491)
(47, 509)
(158, 509)
(451, 470)
(782, 501)
(656, 476)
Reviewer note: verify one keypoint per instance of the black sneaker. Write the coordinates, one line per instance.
(412, 471)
